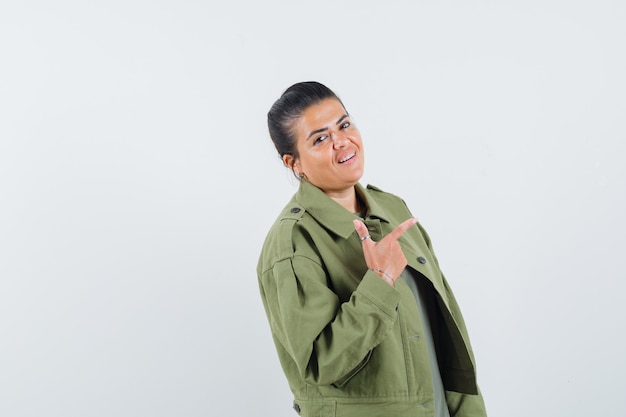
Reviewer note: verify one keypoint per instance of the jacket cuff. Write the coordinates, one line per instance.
(379, 293)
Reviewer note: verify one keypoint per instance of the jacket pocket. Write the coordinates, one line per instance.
(343, 381)
(315, 408)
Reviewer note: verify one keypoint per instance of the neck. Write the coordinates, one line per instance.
(346, 199)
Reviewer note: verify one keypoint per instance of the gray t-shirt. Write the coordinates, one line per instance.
(425, 299)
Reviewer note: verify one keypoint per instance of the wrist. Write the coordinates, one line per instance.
(384, 275)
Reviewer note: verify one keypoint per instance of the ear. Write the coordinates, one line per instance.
(290, 161)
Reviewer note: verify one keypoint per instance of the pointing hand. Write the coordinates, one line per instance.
(385, 257)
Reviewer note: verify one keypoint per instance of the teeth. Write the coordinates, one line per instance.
(346, 158)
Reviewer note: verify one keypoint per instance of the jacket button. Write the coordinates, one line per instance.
(421, 260)
(296, 407)
(295, 210)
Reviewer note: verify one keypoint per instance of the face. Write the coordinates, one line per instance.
(330, 147)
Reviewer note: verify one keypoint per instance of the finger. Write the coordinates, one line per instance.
(402, 227)
(361, 229)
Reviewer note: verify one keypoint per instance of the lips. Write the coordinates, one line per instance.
(347, 157)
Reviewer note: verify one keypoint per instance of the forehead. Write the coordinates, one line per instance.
(323, 114)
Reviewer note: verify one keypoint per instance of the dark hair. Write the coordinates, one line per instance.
(290, 106)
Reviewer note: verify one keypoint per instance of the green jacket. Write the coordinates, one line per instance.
(348, 342)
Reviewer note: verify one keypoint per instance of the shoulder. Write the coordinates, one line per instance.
(278, 244)
(374, 190)
(287, 218)
(391, 200)
(384, 197)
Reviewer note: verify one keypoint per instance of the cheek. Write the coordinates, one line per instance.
(315, 156)
(356, 138)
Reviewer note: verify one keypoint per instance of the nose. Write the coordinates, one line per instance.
(339, 140)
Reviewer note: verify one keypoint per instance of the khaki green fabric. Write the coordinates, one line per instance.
(348, 342)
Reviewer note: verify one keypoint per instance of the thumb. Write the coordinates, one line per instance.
(360, 227)
(362, 233)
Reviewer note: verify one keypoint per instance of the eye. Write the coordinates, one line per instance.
(320, 139)
(345, 125)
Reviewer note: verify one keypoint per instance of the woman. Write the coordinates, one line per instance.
(364, 322)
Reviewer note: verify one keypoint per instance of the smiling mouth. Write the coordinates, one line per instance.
(347, 157)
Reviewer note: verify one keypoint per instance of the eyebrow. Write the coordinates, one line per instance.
(315, 132)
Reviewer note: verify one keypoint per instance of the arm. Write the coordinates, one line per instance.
(326, 340)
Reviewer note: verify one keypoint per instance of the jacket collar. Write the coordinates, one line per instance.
(331, 214)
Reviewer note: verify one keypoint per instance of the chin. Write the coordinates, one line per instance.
(358, 175)
(353, 181)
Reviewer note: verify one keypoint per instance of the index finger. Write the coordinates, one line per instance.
(402, 227)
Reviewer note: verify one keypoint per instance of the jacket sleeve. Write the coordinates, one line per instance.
(327, 341)
(465, 405)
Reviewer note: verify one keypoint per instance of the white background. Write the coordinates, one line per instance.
(137, 182)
